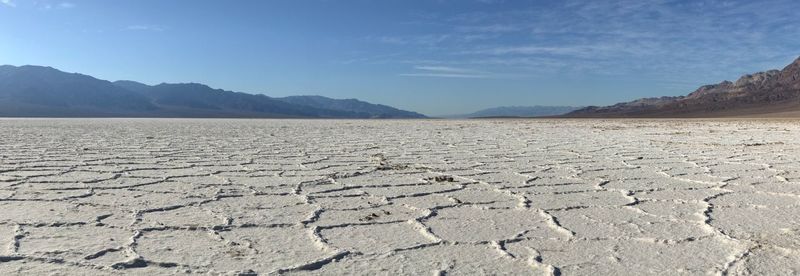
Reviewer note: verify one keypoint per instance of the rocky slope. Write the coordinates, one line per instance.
(764, 93)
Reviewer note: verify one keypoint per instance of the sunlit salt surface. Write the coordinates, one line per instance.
(104, 196)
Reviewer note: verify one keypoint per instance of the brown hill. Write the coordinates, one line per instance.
(775, 93)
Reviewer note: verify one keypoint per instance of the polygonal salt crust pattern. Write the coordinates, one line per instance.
(624, 197)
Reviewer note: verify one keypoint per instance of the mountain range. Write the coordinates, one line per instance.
(518, 111)
(37, 91)
(774, 93)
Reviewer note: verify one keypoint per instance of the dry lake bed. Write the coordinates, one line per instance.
(569, 197)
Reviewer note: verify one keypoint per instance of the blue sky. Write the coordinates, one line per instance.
(436, 57)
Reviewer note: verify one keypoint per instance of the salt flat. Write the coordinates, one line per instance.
(570, 197)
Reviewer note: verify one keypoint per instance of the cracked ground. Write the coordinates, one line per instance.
(557, 197)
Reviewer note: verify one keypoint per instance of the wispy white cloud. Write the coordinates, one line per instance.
(60, 5)
(446, 69)
(447, 72)
(490, 28)
(431, 40)
(8, 3)
(692, 40)
(575, 50)
(154, 28)
(425, 39)
(444, 75)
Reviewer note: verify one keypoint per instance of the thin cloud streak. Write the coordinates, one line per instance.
(445, 75)
(446, 69)
(62, 5)
(145, 28)
(447, 72)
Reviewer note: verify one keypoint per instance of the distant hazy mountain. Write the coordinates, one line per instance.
(198, 100)
(37, 91)
(518, 111)
(771, 93)
(351, 105)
